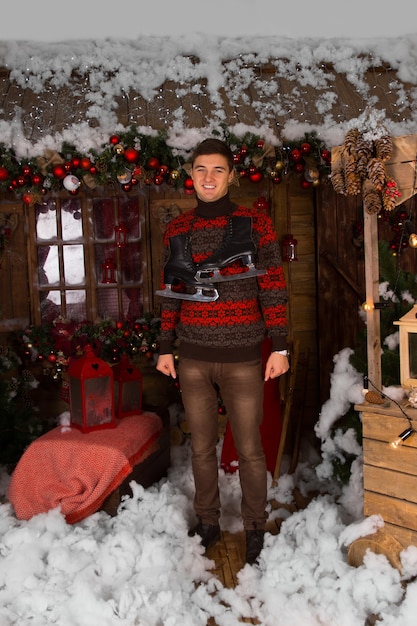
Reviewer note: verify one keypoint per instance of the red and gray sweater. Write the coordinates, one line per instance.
(233, 327)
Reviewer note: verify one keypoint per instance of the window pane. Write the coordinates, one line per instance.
(46, 227)
(74, 272)
(108, 305)
(48, 268)
(103, 218)
(76, 305)
(129, 215)
(50, 305)
(131, 263)
(72, 226)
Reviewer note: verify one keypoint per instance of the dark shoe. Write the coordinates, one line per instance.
(254, 544)
(209, 533)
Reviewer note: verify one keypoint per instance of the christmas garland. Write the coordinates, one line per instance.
(131, 158)
(56, 344)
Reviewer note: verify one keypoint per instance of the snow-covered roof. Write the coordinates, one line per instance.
(279, 88)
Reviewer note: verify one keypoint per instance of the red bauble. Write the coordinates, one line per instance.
(295, 154)
(127, 187)
(305, 184)
(75, 162)
(163, 170)
(153, 163)
(277, 179)
(298, 167)
(114, 139)
(188, 184)
(26, 170)
(93, 170)
(27, 198)
(305, 148)
(4, 174)
(260, 144)
(37, 180)
(158, 180)
(325, 155)
(256, 177)
(67, 166)
(131, 155)
(243, 150)
(85, 163)
(58, 171)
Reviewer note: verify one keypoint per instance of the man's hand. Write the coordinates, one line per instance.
(276, 365)
(165, 364)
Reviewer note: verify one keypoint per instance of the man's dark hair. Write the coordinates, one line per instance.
(214, 146)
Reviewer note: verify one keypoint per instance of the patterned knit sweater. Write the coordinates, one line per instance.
(233, 327)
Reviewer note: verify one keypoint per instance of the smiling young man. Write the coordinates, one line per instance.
(235, 253)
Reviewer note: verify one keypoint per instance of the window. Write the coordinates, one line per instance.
(80, 269)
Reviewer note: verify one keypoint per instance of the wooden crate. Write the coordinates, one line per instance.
(389, 473)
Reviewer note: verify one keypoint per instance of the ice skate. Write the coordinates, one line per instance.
(179, 274)
(237, 245)
(198, 293)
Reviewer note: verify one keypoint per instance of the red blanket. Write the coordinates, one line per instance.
(77, 471)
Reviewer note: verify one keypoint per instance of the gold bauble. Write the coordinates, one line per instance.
(174, 175)
(278, 166)
(118, 149)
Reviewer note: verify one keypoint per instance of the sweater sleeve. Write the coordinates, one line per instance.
(170, 307)
(273, 294)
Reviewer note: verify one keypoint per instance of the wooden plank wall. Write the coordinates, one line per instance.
(390, 476)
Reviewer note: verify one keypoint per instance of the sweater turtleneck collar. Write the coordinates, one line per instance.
(223, 206)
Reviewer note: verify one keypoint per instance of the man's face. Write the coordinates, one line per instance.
(211, 177)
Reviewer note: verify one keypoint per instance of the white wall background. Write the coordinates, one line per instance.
(52, 20)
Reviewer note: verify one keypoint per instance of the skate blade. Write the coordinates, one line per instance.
(216, 277)
(198, 296)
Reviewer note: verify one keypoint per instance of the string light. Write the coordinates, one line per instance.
(402, 437)
(405, 434)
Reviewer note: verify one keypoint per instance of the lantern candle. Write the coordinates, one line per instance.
(289, 248)
(120, 235)
(108, 269)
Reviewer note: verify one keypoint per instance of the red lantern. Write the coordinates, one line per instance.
(127, 388)
(91, 393)
(289, 248)
(120, 235)
(108, 269)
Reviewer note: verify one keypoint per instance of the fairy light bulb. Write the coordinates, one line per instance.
(412, 240)
(402, 437)
(368, 306)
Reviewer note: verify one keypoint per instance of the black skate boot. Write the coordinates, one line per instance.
(237, 245)
(180, 274)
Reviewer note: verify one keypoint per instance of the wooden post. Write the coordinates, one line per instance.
(373, 321)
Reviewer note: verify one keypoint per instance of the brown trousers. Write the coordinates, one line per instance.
(241, 390)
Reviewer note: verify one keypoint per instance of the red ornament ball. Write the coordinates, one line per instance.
(256, 177)
(85, 163)
(305, 148)
(188, 184)
(4, 174)
(58, 171)
(114, 139)
(295, 154)
(131, 155)
(153, 163)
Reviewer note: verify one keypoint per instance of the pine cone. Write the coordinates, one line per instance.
(377, 173)
(383, 148)
(351, 138)
(372, 200)
(338, 182)
(353, 181)
(374, 397)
